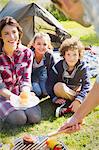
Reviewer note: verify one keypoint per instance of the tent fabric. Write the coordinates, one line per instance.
(33, 18)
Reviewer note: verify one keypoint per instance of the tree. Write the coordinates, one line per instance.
(56, 13)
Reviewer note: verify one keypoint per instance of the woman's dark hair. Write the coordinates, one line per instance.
(9, 21)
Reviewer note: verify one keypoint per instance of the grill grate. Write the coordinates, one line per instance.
(40, 144)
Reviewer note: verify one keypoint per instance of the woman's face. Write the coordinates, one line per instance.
(40, 45)
(71, 57)
(10, 36)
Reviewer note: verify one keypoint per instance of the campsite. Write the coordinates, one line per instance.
(88, 137)
(33, 18)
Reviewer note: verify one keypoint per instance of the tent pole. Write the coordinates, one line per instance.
(33, 26)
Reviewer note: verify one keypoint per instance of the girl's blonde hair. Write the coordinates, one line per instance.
(72, 43)
(40, 35)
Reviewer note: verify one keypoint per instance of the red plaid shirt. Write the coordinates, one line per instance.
(15, 73)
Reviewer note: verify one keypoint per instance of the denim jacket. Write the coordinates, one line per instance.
(48, 62)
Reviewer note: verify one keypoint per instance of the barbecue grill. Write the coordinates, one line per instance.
(40, 144)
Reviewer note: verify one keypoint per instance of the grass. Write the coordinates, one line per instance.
(87, 138)
(87, 35)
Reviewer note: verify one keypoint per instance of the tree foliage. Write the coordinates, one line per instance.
(56, 13)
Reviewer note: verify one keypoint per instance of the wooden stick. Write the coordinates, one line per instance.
(55, 133)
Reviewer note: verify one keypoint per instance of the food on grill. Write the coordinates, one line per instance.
(24, 97)
(38, 143)
(28, 139)
(52, 142)
(58, 147)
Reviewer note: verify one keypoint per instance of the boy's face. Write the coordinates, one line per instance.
(40, 45)
(71, 57)
(73, 9)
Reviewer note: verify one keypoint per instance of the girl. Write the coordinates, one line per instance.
(68, 80)
(15, 69)
(42, 62)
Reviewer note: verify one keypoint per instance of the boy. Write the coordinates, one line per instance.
(68, 81)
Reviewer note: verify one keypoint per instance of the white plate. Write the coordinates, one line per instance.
(34, 100)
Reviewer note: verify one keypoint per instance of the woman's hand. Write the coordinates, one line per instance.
(6, 93)
(32, 94)
(14, 96)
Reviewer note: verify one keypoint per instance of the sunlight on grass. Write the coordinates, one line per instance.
(87, 35)
(74, 28)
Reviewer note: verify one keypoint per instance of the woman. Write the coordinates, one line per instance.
(15, 72)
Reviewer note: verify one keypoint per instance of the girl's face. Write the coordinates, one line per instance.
(40, 45)
(10, 36)
(71, 57)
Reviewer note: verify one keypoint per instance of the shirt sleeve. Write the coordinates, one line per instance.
(51, 80)
(97, 79)
(2, 84)
(26, 78)
(49, 61)
(86, 86)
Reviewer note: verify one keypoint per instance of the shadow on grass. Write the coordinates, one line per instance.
(47, 109)
(48, 113)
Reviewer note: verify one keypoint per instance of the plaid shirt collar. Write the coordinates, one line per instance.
(18, 51)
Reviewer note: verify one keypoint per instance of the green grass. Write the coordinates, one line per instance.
(85, 139)
(87, 35)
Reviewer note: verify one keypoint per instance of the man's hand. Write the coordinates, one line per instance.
(70, 126)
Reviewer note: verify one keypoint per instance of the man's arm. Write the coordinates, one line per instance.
(90, 102)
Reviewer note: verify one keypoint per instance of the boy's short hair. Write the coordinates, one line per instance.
(72, 44)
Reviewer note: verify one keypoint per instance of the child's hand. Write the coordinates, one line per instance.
(60, 101)
(75, 105)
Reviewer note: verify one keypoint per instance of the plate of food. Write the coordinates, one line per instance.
(23, 104)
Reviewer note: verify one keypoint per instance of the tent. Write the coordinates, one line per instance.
(33, 18)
